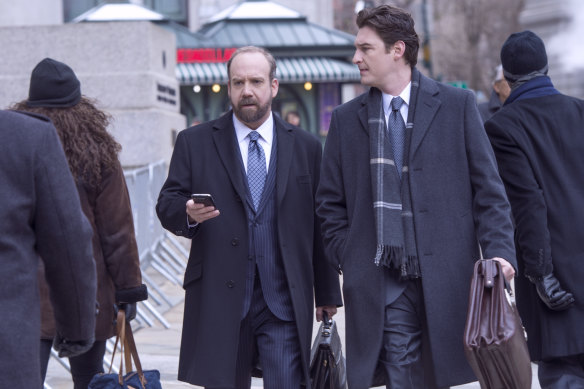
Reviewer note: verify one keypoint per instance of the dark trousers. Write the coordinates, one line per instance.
(401, 354)
(83, 367)
(561, 373)
(274, 341)
(45, 355)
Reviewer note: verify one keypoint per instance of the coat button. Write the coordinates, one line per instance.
(235, 242)
(230, 284)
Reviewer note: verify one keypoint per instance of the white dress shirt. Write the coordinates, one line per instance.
(266, 131)
(405, 95)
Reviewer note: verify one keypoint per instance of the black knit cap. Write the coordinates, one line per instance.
(523, 53)
(53, 84)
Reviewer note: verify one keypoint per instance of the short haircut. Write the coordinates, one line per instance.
(253, 49)
(392, 24)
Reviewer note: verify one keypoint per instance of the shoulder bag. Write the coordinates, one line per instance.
(139, 379)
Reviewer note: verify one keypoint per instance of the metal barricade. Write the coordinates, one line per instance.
(144, 185)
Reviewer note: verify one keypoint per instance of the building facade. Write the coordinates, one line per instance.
(313, 62)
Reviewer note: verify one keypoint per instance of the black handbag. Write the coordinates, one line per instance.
(494, 339)
(139, 379)
(327, 363)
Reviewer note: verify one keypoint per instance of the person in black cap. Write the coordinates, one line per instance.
(538, 139)
(92, 154)
(53, 85)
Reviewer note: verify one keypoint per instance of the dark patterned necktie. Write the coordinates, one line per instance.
(397, 132)
(256, 168)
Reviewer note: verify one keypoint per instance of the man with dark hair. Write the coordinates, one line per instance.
(538, 139)
(256, 264)
(42, 220)
(409, 191)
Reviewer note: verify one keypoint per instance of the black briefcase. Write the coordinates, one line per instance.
(327, 363)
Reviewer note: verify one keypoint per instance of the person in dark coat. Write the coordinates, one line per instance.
(407, 238)
(41, 217)
(92, 154)
(538, 138)
(499, 94)
(256, 264)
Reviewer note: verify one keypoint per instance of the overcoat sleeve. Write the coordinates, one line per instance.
(331, 202)
(326, 289)
(491, 208)
(64, 242)
(115, 227)
(171, 205)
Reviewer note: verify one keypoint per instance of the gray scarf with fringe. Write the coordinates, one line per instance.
(392, 204)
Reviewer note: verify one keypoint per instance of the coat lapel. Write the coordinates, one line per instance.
(228, 150)
(427, 105)
(285, 139)
(363, 113)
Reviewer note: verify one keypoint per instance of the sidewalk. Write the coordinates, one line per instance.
(159, 349)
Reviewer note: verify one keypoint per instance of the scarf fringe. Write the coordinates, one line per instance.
(393, 257)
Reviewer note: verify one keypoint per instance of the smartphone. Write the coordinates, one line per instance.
(203, 198)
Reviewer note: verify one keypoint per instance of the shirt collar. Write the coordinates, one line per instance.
(266, 129)
(405, 95)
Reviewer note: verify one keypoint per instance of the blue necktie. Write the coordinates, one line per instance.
(256, 168)
(397, 131)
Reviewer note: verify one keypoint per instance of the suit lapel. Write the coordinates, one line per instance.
(285, 139)
(229, 154)
(427, 105)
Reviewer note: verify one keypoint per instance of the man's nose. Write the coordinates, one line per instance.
(247, 89)
(356, 57)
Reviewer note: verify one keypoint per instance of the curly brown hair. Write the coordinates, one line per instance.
(89, 148)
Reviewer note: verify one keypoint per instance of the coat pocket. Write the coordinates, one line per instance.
(192, 274)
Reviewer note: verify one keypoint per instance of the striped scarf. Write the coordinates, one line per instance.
(392, 204)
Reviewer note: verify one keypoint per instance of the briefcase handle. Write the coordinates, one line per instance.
(327, 324)
(490, 272)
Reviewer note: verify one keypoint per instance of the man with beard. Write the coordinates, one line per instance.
(256, 264)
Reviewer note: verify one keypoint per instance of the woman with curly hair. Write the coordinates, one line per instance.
(92, 154)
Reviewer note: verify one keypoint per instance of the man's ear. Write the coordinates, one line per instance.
(399, 49)
(275, 85)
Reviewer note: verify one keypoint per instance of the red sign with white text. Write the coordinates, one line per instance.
(206, 55)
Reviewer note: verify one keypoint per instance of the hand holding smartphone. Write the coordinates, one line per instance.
(203, 198)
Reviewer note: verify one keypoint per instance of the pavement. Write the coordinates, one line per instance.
(158, 346)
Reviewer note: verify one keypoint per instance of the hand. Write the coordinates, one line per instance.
(507, 268)
(130, 310)
(67, 348)
(551, 293)
(199, 213)
(331, 310)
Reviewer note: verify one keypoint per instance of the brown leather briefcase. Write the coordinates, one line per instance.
(494, 339)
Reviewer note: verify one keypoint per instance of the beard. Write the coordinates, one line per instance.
(249, 114)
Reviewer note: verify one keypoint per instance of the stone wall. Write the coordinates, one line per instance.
(128, 67)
